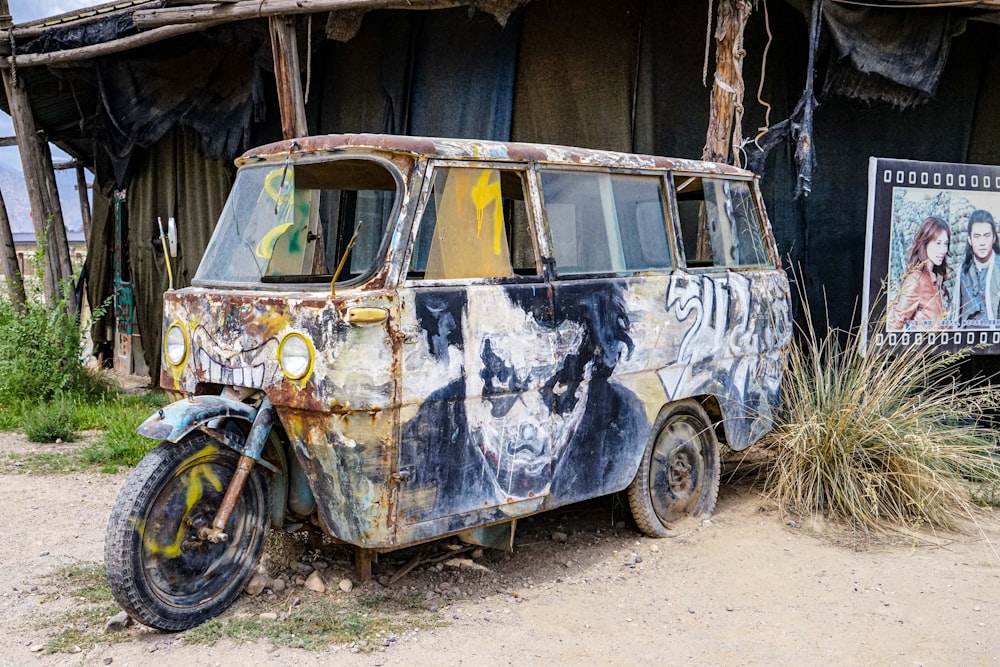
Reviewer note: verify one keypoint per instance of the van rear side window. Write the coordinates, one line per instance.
(606, 223)
(719, 223)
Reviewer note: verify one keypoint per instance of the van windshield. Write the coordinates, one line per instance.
(296, 222)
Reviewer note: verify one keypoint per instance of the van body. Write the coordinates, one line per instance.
(450, 334)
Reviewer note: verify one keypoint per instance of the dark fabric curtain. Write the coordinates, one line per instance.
(100, 265)
(365, 83)
(672, 102)
(847, 132)
(209, 85)
(984, 142)
(576, 73)
(171, 179)
(783, 72)
(887, 54)
(463, 75)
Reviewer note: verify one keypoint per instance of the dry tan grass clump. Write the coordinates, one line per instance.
(882, 440)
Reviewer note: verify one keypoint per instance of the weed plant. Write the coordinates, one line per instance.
(120, 445)
(47, 391)
(883, 439)
(316, 624)
(40, 354)
(51, 422)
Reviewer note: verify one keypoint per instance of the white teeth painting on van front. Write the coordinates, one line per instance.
(218, 372)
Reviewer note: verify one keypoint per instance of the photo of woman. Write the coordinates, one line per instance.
(923, 302)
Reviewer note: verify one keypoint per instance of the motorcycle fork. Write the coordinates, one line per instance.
(249, 457)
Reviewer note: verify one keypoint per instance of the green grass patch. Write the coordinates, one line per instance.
(117, 415)
(120, 445)
(318, 623)
(44, 463)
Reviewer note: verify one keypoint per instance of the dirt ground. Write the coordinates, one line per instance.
(748, 587)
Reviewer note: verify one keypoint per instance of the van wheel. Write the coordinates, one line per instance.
(160, 570)
(678, 479)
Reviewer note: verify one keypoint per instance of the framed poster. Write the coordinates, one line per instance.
(932, 257)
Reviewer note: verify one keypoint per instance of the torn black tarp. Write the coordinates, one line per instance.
(892, 55)
(210, 86)
(75, 35)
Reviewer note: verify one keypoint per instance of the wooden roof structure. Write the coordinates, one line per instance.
(47, 66)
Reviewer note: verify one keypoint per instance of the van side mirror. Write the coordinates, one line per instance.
(172, 236)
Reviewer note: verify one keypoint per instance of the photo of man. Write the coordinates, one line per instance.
(918, 293)
(979, 280)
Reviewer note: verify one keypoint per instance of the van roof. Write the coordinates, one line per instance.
(475, 149)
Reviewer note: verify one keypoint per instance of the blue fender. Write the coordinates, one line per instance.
(178, 419)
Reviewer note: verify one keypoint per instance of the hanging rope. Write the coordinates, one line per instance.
(708, 46)
(309, 56)
(12, 59)
(761, 131)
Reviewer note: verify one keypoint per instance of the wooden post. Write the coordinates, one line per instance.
(8, 261)
(725, 120)
(40, 179)
(81, 190)
(284, 46)
(54, 219)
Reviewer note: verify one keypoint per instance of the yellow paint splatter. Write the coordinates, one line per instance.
(484, 193)
(196, 477)
(265, 248)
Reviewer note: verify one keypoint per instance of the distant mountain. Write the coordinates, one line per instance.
(15, 197)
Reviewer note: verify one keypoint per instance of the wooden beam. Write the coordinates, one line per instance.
(726, 109)
(32, 29)
(153, 18)
(40, 179)
(52, 58)
(70, 164)
(285, 49)
(725, 117)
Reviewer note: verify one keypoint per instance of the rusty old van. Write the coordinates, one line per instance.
(394, 339)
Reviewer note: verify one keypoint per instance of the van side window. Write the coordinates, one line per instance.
(606, 223)
(719, 222)
(475, 225)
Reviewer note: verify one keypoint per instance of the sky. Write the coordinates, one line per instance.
(28, 10)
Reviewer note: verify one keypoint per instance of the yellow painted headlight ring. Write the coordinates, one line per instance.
(311, 351)
(178, 325)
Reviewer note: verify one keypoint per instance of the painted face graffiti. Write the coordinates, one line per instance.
(519, 416)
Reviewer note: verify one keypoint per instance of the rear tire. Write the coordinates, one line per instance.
(678, 480)
(158, 569)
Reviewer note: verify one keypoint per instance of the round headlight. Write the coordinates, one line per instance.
(175, 344)
(295, 354)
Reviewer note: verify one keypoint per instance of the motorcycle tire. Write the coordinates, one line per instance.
(159, 570)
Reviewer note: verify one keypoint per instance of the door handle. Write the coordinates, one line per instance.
(366, 315)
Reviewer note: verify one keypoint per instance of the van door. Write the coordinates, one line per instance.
(478, 350)
(612, 255)
(734, 304)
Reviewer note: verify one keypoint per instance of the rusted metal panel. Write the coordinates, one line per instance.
(174, 421)
(349, 460)
(462, 149)
(234, 339)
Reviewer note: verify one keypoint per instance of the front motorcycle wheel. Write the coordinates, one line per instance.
(159, 569)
